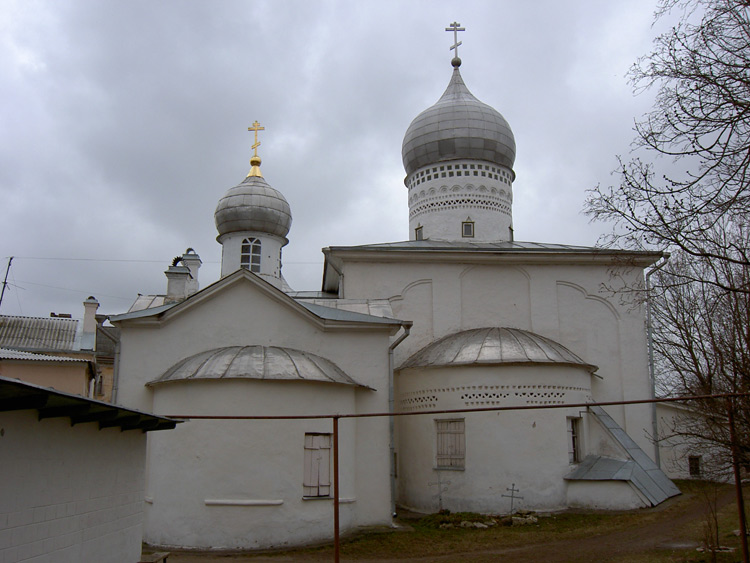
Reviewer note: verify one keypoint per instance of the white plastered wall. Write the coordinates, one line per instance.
(242, 315)
(69, 494)
(564, 302)
(528, 449)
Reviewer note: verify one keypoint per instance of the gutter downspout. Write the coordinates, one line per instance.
(406, 325)
(651, 367)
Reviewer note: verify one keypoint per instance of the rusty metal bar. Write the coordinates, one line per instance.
(336, 489)
(738, 482)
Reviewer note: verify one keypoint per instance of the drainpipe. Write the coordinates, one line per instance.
(406, 325)
(651, 368)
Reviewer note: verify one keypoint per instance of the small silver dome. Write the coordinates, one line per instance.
(253, 205)
(458, 126)
(494, 346)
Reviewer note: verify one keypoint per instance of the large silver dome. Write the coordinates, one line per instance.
(458, 126)
(253, 205)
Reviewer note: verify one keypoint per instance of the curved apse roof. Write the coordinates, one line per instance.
(256, 362)
(488, 346)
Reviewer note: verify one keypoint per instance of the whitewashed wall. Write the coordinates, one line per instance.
(525, 448)
(69, 494)
(562, 301)
(252, 461)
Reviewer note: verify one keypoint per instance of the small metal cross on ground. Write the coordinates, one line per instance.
(440, 489)
(256, 127)
(512, 496)
(455, 27)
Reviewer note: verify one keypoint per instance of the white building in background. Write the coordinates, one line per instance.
(460, 316)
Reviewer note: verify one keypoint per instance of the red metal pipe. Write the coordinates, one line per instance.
(336, 489)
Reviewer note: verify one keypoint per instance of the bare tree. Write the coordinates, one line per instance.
(686, 190)
(702, 341)
(691, 163)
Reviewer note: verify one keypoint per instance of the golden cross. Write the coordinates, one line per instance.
(256, 127)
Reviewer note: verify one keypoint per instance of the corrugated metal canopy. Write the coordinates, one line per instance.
(494, 345)
(256, 362)
(19, 395)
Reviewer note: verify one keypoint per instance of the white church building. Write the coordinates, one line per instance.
(459, 317)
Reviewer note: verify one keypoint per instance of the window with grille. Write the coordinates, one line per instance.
(694, 465)
(451, 444)
(317, 479)
(574, 440)
(250, 255)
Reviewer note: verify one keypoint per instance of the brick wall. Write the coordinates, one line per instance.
(69, 494)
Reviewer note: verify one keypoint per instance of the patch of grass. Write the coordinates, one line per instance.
(426, 538)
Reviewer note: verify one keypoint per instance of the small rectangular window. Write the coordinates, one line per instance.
(694, 465)
(450, 174)
(451, 444)
(574, 440)
(418, 235)
(467, 229)
(317, 479)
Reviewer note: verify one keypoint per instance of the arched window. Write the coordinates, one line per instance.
(250, 255)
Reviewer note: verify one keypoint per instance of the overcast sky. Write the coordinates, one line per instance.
(122, 124)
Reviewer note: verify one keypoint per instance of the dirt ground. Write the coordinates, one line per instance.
(668, 532)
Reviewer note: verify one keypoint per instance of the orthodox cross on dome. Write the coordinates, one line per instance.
(255, 160)
(256, 127)
(455, 27)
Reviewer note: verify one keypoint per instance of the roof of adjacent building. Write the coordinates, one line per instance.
(50, 403)
(39, 333)
(256, 362)
(492, 346)
(6, 354)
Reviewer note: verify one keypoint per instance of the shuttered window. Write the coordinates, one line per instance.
(317, 480)
(451, 443)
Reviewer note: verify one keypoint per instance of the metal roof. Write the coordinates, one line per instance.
(465, 246)
(343, 313)
(6, 354)
(640, 470)
(50, 403)
(494, 345)
(256, 362)
(39, 333)
(458, 126)
(253, 205)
